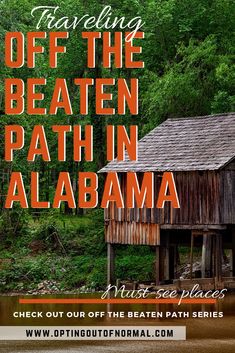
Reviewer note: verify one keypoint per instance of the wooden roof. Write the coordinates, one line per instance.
(184, 144)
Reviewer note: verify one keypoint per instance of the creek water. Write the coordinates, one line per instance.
(210, 335)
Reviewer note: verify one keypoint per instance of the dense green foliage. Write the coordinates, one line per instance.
(188, 52)
(68, 251)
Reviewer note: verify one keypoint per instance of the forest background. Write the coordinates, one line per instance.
(188, 52)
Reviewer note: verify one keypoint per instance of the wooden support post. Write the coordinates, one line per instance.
(206, 255)
(213, 256)
(157, 265)
(233, 251)
(111, 264)
(172, 260)
(167, 258)
(203, 262)
(218, 259)
(220, 256)
(209, 256)
(191, 255)
(135, 285)
(164, 274)
(230, 256)
(162, 263)
(176, 260)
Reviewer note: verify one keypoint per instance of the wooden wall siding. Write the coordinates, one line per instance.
(227, 198)
(205, 198)
(199, 196)
(132, 233)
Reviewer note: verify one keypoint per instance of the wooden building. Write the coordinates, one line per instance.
(200, 152)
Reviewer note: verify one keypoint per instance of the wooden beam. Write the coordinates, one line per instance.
(202, 227)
